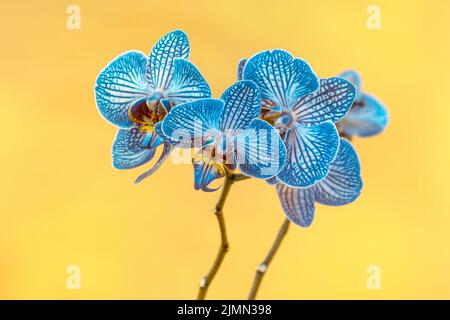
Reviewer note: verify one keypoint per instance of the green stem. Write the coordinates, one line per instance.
(262, 268)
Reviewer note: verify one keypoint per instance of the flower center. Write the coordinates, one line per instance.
(148, 111)
(285, 120)
(223, 151)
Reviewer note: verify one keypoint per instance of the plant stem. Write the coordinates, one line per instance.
(262, 268)
(230, 178)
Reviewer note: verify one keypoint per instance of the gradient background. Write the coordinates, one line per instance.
(62, 203)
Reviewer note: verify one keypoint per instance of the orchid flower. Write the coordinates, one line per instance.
(304, 110)
(228, 133)
(367, 117)
(135, 92)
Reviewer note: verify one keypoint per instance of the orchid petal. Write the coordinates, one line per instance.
(297, 203)
(260, 152)
(129, 150)
(354, 78)
(240, 69)
(272, 181)
(343, 183)
(281, 77)
(242, 105)
(160, 68)
(152, 140)
(310, 150)
(187, 83)
(166, 104)
(159, 132)
(206, 171)
(191, 124)
(120, 85)
(331, 102)
(366, 118)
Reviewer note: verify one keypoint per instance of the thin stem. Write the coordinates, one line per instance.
(262, 268)
(230, 178)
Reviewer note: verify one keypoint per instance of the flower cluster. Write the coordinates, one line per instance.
(278, 122)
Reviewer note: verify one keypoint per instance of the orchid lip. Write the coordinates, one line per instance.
(148, 111)
(286, 119)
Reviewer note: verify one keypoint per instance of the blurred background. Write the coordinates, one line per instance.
(63, 204)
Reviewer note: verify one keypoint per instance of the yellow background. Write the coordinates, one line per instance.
(63, 204)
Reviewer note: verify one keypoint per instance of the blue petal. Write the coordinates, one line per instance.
(165, 153)
(242, 105)
(128, 149)
(159, 132)
(240, 69)
(281, 78)
(297, 203)
(260, 152)
(366, 118)
(160, 68)
(331, 102)
(187, 83)
(354, 78)
(166, 104)
(121, 84)
(343, 183)
(153, 139)
(272, 181)
(310, 150)
(191, 124)
(206, 171)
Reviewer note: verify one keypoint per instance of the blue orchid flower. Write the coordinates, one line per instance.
(367, 116)
(229, 135)
(135, 92)
(341, 186)
(303, 108)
